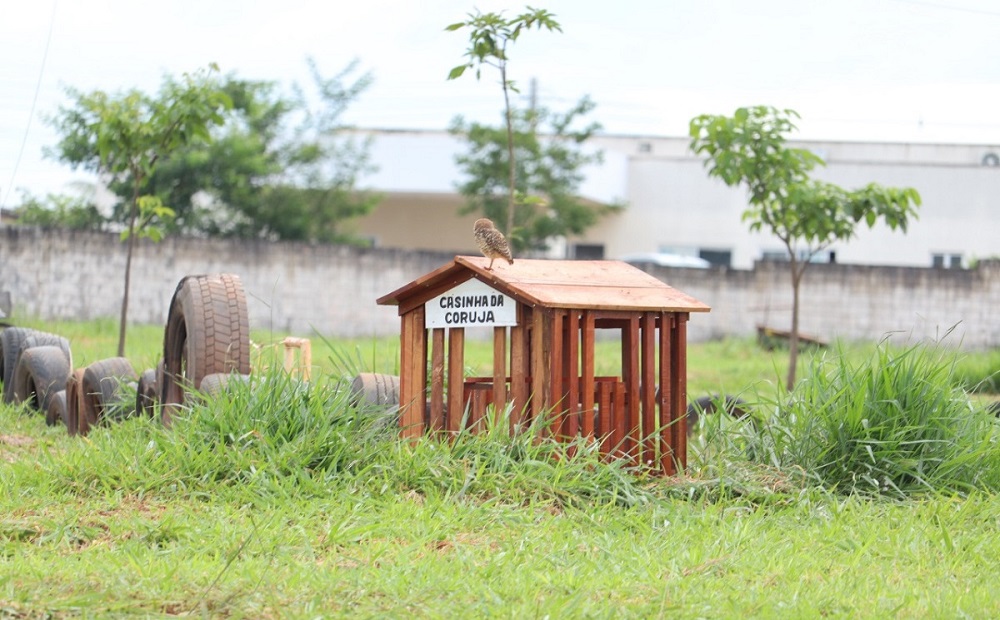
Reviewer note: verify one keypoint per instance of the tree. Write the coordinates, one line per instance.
(805, 214)
(126, 136)
(491, 34)
(280, 167)
(547, 168)
(59, 211)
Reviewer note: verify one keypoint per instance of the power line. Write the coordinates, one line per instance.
(34, 103)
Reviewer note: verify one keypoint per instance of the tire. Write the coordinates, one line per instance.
(146, 395)
(370, 388)
(207, 332)
(216, 382)
(55, 414)
(733, 405)
(102, 392)
(41, 371)
(73, 419)
(11, 340)
(45, 339)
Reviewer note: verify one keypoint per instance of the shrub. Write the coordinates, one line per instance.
(894, 423)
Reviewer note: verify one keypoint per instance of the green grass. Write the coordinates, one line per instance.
(279, 499)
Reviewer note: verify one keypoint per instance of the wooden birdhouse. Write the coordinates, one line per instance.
(544, 317)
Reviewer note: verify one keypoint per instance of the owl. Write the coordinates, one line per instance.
(491, 242)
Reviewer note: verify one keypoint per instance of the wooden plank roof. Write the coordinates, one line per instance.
(596, 284)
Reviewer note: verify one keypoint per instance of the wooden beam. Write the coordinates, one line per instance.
(456, 379)
(587, 374)
(665, 401)
(541, 368)
(413, 373)
(520, 366)
(557, 385)
(499, 370)
(680, 389)
(436, 418)
(647, 335)
(631, 376)
(571, 373)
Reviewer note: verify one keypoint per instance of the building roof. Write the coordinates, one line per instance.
(580, 284)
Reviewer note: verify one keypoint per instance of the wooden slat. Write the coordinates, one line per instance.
(648, 387)
(436, 418)
(631, 376)
(499, 369)
(587, 374)
(557, 385)
(540, 362)
(413, 374)
(519, 366)
(666, 402)
(571, 370)
(680, 390)
(456, 379)
(620, 419)
(605, 420)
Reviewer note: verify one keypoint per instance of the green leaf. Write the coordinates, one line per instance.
(457, 72)
(455, 26)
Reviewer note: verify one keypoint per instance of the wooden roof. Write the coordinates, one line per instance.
(596, 284)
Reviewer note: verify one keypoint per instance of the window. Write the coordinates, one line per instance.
(588, 251)
(718, 258)
(951, 261)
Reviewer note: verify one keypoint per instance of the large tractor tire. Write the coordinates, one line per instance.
(147, 390)
(207, 332)
(11, 340)
(56, 411)
(102, 392)
(372, 388)
(30, 341)
(74, 397)
(41, 371)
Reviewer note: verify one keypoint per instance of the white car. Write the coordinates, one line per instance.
(667, 260)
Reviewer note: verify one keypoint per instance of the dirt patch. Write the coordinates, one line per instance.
(14, 442)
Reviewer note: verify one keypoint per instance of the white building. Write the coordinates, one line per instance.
(673, 206)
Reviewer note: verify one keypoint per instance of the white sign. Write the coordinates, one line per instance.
(471, 304)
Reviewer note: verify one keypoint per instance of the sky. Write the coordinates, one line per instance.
(871, 70)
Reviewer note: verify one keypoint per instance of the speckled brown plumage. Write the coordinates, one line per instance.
(491, 242)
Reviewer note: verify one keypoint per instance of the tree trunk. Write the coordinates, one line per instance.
(128, 273)
(793, 336)
(511, 181)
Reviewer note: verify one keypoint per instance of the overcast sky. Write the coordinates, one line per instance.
(879, 70)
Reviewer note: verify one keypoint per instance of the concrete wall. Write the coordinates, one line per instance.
(332, 289)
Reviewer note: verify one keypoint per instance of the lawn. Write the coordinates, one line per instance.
(290, 503)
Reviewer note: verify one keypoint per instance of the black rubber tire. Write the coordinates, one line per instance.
(371, 388)
(207, 332)
(102, 392)
(11, 340)
(55, 414)
(45, 339)
(146, 395)
(73, 397)
(733, 405)
(41, 371)
(216, 382)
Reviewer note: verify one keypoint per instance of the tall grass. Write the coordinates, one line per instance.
(275, 438)
(894, 423)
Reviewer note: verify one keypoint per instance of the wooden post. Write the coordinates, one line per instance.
(666, 393)
(456, 379)
(647, 335)
(436, 417)
(571, 374)
(630, 376)
(541, 368)
(519, 366)
(679, 428)
(587, 374)
(304, 348)
(413, 373)
(499, 370)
